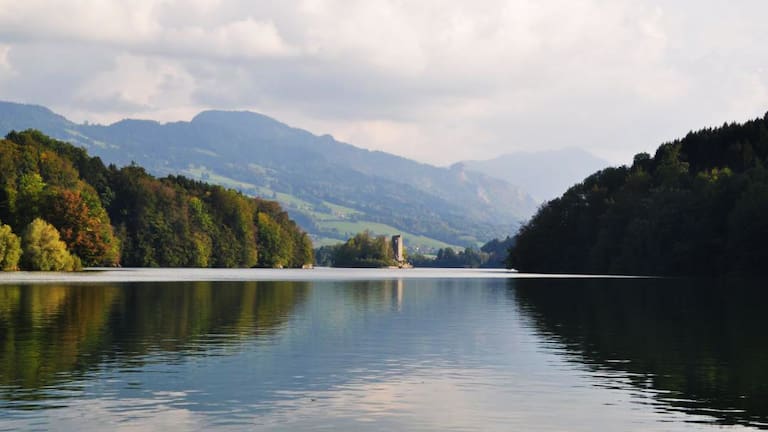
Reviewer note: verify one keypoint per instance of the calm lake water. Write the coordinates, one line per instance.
(379, 350)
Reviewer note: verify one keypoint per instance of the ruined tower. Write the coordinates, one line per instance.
(397, 248)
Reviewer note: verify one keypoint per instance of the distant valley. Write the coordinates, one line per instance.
(330, 188)
(544, 174)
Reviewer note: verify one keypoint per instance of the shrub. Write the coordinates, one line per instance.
(44, 250)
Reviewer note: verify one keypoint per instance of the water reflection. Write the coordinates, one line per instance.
(203, 356)
(420, 354)
(697, 346)
(52, 335)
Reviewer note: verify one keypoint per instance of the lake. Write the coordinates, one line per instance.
(348, 350)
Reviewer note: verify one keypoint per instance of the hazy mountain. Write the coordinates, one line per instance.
(545, 174)
(331, 188)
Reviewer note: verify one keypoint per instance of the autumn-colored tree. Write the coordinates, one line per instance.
(84, 228)
(108, 216)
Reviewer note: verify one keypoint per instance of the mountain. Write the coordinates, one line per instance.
(332, 189)
(545, 174)
(695, 208)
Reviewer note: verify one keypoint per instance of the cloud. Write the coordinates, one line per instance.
(138, 27)
(135, 85)
(437, 80)
(6, 69)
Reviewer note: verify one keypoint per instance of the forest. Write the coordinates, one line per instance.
(61, 209)
(368, 250)
(695, 208)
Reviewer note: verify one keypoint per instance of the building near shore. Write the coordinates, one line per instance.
(397, 249)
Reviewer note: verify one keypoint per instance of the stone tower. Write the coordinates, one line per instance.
(397, 248)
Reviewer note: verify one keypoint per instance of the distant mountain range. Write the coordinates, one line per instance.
(545, 174)
(331, 189)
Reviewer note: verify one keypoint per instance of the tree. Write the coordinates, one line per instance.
(275, 245)
(302, 249)
(107, 215)
(695, 208)
(364, 250)
(30, 197)
(44, 250)
(10, 249)
(84, 225)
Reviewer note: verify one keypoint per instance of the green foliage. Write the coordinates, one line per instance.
(44, 250)
(109, 216)
(695, 208)
(293, 249)
(497, 251)
(324, 255)
(491, 255)
(276, 246)
(449, 258)
(363, 250)
(29, 197)
(42, 182)
(10, 249)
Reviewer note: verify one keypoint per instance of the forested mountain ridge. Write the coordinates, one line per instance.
(111, 216)
(332, 189)
(697, 207)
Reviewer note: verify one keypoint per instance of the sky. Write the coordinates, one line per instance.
(434, 80)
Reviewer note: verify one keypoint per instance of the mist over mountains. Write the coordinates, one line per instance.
(332, 189)
(545, 174)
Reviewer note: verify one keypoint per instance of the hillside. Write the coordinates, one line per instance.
(109, 216)
(544, 174)
(697, 207)
(331, 189)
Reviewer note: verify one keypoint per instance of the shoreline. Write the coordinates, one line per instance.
(128, 275)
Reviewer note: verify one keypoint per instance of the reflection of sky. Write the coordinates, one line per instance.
(243, 275)
(419, 354)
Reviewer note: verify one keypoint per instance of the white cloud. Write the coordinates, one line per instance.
(6, 69)
(136, 86)
(137, 27)
(437, 80)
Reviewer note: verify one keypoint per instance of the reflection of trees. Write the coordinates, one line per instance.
(703, 345)
(47, 330)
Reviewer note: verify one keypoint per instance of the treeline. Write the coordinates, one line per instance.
(491, 255)
(367, 250)
(108, 216)
(364, 250)
(697, 207)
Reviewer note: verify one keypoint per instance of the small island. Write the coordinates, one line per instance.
(365, 250)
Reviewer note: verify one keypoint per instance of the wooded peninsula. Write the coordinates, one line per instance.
(696, 208)
(61, 209)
